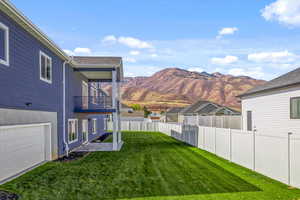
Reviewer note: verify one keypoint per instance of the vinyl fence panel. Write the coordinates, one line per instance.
(242, 148)
(294, 174)
(223, 142)
(210, 139)
(201, 137)
(271, 156)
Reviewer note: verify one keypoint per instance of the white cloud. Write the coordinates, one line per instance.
(129, 60)
(273, 57)
(128, 74)
(224, 61)
(141, 70)
(284, 11)
(80, 50)
(109, 39)
(195, 69)
(69, 52)
(154, 55)
(127, 41)
(134, 53)
(256, 72)
(134, 43)
(228, 31)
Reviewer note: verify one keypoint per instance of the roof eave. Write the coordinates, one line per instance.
(23, 21)
(267, 90)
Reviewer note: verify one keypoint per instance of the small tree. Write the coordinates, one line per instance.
(136, 107)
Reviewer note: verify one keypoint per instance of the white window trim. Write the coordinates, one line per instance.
(6, 30)
(93, 121)
(94, 98)
(86, 122)
(48, 57)
(72, 141)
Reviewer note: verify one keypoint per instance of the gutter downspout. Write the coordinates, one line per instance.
(64, 106)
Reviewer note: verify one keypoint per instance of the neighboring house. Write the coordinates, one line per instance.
(205, 108)
(50, 103)
(172, 115)
(273, 108)
(155, 117)
(223, 110)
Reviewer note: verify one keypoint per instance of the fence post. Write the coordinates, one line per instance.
(230, 144)
(289, 158)
(254, 131)
(129, 126)
(215, 140)
(203, 138)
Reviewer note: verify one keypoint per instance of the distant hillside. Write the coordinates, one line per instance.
(178, 87)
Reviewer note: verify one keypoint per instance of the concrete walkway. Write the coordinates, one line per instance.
(92, 147)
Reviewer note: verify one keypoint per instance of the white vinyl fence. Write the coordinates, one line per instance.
(233, 122)
(275, 156)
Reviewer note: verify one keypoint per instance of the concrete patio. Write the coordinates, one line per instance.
(103, 146)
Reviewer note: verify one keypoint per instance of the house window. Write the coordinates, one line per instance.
(4, 44)
(72, 130)
(45, 67)
(249, 120)
(295, 108)
(94, 126)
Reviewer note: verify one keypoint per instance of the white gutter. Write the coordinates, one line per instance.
(64, 106)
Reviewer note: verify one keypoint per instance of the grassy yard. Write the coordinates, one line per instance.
(150, 166)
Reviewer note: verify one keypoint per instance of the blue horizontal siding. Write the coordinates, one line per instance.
(74, 89)
(20, 82)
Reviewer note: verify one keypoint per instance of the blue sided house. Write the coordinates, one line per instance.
(50, 103)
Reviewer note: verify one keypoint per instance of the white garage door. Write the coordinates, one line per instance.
(22, 147)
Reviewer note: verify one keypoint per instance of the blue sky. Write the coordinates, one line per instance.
(258, 38)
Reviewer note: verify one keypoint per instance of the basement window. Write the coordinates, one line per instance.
(45, 67)
(4, 45)
(72, 130)
(295, 108)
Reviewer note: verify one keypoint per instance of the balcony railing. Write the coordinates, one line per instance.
(93, 104)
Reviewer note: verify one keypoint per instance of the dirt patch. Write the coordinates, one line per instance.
(72, 157)
(4, 195)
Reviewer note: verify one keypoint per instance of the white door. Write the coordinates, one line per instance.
(85, 132)
(85, 95)
(21, 147)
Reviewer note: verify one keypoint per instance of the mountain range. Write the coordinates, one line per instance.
(174, 87)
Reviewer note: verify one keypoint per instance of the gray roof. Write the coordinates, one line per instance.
(208, 109)
(194, 108)
(92, 60)
(235, 112)
(175, 110)
(289, 79)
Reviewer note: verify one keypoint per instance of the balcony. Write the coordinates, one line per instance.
(93, 105)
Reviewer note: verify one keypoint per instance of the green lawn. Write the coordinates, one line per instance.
(150, 166)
